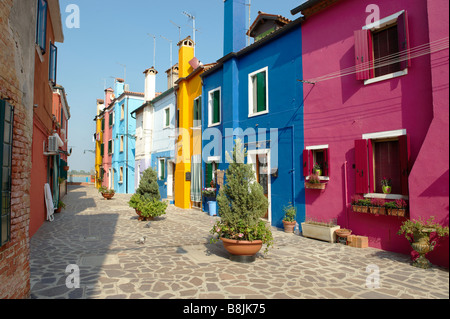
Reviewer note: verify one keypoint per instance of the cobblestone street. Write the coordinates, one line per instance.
(177, 262)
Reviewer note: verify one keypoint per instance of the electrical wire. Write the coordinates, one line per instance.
(394, 58)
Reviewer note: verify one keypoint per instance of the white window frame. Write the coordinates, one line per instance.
(250, 92)
(392, 19)
(384, 135)
(165, 117)
(120, 175)
(159, 168)
(200, 121)
(314, 148)
(211, 106)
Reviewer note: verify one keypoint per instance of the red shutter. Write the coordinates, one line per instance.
(363, 53)
(326, 160)
(361, 166)
(370, 167)
(404, 153)
(305, 162)
(403, 40)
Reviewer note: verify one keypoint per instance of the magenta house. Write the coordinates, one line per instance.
(108, 139)
(376, 94)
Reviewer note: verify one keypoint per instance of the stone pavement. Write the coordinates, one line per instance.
(177, 262)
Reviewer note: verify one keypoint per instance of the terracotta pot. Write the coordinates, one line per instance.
(242, 247)
(107, 195)
(66, 168)
(58, 210)
(143, 218)
(344, 233)
(288, 226)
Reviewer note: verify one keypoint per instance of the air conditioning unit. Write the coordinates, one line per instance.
(52, 144)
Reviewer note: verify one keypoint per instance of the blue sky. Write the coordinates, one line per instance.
(113, 33)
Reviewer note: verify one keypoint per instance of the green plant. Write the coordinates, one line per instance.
(61, 205)
(209, 192)
(242, 202)
(313, 221)
(151, 207)
(385, 181)
(364, 202)
(105, 190)
(397, 204)
(135, 200)
(422, 226)
(290, 212)
(317, 166)
(148, 186)
(314, 179)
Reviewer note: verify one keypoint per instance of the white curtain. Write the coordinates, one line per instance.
(196, 178)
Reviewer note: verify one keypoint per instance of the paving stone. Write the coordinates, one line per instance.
(177, 260)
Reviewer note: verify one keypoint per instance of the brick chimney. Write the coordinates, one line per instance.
(185, 54)
(119, 87)
(150, 84)
(172, 76)
(234, 26)
(109, 96)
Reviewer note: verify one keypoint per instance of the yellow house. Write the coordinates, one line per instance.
(99, 147)
(188, 147)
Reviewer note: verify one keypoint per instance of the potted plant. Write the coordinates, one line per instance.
(396, 208)
(106, 192)
(377, 206)
(360, 204)
(290, 212)
(418, 232)
(61, 205)
(135, 201)
(313, 182)
(317, 169)
(242, 204)
(148, 208)
(320, 230)
(386, 184)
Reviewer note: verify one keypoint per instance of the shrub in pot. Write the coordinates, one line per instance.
(290, 212)
(242, 204)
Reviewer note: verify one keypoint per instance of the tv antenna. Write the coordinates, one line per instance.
(190, 16)
(154, 48)
(179, 29)
(170, 41)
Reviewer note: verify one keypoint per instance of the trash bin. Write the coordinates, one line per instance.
(212, 208)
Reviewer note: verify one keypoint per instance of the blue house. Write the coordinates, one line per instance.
(123, 135)
(253, 93)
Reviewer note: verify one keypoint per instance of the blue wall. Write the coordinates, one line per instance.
(282, 57)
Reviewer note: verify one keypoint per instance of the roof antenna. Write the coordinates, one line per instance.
(154, 48)
(190, 16)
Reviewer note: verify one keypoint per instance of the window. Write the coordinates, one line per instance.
(122, 112)
(111, 119)
(379, 155)
(103, 124)
(316, 157)
(162, 169)
(121, 143)
(214, 105)
(52, 67)
(197, 112)
(121, 174)
(110, 147)
(258, 93)
(6, 136)
(41, 27)
(210, 173)
(381, 49)
(166, 117)
(102, 149)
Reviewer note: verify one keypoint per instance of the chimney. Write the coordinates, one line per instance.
(185, 54)
(150, 84)
(172, 76)
(120, 86)
(109, 96)
(234, 28)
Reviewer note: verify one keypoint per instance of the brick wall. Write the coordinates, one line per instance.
(17, 29)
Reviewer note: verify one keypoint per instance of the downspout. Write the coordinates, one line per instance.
(346, 194)
(126, 161)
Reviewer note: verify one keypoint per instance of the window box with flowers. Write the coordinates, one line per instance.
(396, 208)
(313, 182)
(360, 204)
(377, 206)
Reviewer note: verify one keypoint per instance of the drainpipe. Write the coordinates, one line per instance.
(126, 161)
(346, 193)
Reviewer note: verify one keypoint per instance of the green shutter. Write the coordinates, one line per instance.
(6, 137)
(110, 119)
(261, 91)
(167, 117)
(102, 149)
(103, 124)
(208, 175)
(216, 107)
(162, 169)
(195, 112)
(199, 109)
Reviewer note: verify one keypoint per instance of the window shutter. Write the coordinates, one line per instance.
(371, 170)
(363, 43)
(208, 175)
(195, 112)
(167, 117)
(403, 40)
(326, 162)
(361, 166)
(199, 109)
(110, 119)
(306, 169)
(53, 63)
(102, 149)
(261, 91)
(216, 108)
(404, 152)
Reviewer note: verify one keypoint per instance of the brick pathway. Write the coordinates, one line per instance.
(177, 261)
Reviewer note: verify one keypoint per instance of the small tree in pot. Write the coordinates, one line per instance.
(242, 204)
(290, 212)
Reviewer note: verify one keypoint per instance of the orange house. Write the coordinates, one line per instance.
(44, 160)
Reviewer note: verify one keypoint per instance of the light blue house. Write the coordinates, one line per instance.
(155, 132)
(123, 135)
(253, 93)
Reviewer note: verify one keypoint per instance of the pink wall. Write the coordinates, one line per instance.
(107, 135)
(340, 110)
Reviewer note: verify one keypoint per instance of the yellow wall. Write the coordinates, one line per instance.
(98, 156)
(189, 143)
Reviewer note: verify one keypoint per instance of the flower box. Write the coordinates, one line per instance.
(400, 212)
(360, 209)
(315, 185)
(377, 210)
(320, 232)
